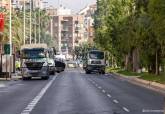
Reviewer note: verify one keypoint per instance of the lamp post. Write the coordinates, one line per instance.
(10, 28)
(30, 3)
(39, 25)
(24, 21)
(10, 39)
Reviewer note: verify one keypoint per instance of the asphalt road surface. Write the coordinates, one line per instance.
(74, 92)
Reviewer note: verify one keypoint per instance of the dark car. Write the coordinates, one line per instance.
(60, 65)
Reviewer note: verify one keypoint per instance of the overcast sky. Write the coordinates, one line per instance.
(75, 5)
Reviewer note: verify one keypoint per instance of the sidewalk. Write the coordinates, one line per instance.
(10, 81)
(160, 88)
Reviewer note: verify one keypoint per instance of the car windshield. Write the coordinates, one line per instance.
(96, 55)
(33, 53)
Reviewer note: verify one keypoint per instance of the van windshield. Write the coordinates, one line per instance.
(96, 55)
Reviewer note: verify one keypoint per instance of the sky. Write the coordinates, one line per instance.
(75, 5)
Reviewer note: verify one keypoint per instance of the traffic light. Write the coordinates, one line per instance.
(6, 49)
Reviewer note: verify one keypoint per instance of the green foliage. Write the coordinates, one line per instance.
(123, 26)
(17, 27)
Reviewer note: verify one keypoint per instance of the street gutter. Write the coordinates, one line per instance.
(160, 88)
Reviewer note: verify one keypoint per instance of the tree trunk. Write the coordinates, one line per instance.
(135, 60)
(156, 64)
(126, 61)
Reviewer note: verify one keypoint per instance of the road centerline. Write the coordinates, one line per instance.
(33, 103)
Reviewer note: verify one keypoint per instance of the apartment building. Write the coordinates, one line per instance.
(4, 4)
(88, 13)
(68, 32)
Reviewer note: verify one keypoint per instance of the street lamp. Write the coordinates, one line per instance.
(24, 20)
(10, 28)
(30, 3)
(39, 26)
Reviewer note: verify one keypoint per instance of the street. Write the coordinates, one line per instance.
(74, 92)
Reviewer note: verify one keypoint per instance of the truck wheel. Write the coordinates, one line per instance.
(88, 72)
(103, 72)
(45, 78)
(26, 78)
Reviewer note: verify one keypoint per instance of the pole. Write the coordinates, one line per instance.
(51, 27)
(35, 27)
(24, 21)
(10, 29)
(10, 38)
(30, 21)
(39, 27)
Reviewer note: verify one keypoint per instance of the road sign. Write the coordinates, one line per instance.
(6, 48)
(2, 22)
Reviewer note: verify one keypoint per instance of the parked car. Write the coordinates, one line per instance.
(60, 65)
(52, 68)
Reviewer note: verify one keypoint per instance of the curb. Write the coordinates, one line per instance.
(160, 88)
(10, 81)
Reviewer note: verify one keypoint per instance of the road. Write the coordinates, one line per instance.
(74, 92)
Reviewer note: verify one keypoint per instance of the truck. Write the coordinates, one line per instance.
(94, 61)
(34, 61)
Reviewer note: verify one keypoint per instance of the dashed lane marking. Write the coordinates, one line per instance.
(126, 109)
(115, 101)
(103, 91)
(109, 95)
(33, 103)
(100, 87)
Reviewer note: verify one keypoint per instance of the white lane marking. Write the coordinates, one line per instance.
(4, 91)
(126, 109)
(96, 85)
(109, 95)
(103, 91)
(100, 87)
(115, 101)
(33, 103)
(2, 85)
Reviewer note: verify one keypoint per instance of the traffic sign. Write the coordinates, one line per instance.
(7, 49)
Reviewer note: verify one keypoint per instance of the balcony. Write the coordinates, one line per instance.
(65, 29)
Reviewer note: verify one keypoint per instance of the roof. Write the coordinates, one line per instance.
(30, 46)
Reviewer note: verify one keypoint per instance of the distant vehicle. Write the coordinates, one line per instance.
(72, 64)
(60, 56)
(94, 61)
(52, 68)
(34, 61)
(60, 65)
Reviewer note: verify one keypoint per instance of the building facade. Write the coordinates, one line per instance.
(67, 32)
(88, 13)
